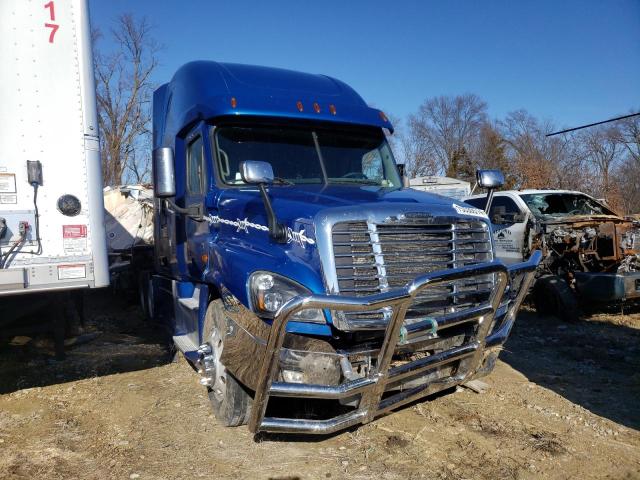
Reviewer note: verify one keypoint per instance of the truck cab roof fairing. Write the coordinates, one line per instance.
(204, 89)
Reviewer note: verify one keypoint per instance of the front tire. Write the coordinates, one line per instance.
(230, 400)
(553, 296)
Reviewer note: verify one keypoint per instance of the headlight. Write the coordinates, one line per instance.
(269, 291)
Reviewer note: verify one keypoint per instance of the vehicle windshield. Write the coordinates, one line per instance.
(308, 156)
(563, 204)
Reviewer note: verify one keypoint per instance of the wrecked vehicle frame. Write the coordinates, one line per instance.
(590, 253)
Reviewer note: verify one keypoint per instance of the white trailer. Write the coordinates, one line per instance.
(447, 186)
(52, 234)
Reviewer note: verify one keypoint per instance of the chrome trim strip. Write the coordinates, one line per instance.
(427, 363)
(299, 390)
(291, 425)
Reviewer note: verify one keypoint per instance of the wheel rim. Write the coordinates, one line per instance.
(219, 373)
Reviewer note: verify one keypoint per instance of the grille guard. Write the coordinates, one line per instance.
(372, 387)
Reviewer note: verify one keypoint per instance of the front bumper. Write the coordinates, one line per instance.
(608, 287)
(494, 318)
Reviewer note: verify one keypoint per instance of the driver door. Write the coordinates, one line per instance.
(509, 225)
(196, 187)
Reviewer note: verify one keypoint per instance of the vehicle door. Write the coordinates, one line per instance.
(196, 178)
(508, 223)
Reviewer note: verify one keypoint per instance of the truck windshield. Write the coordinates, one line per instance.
(563, 204)
(307, 156)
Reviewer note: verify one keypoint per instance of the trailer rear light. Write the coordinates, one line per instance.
(234, 102)
(332, 109)
(316, 107)
(299, 105)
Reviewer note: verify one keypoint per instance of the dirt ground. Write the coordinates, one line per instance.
(563, 402)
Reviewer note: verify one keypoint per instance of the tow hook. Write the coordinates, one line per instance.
(206, 364)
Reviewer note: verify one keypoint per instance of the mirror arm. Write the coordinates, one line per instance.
(277, 231)
(487, 207)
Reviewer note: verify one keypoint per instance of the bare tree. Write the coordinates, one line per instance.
(602, 150)
(419, 159)
(629, 136)
(627, 179)
(124, 92)
(538, 161)
(442, 134)
(491, 152)
(627, 174)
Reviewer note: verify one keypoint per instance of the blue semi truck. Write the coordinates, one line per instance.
(307, 287)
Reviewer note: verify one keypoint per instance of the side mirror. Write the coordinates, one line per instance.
(164, 178)
(490, 178)
(254, 171)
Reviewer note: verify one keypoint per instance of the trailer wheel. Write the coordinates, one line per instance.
(230, 400)
(552, 295)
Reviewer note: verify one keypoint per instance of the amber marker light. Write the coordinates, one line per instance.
(299, 105)
(383, 116)
(316, 107)
(204, 257)
(332, 109)
(234, 102)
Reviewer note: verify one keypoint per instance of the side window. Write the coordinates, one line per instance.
(479, 202)
(504, 210)
(195, 167)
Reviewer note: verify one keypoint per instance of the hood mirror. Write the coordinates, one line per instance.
(256, 172)
(490, 178)
(261, 173)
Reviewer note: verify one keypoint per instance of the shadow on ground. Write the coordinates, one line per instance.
(116, 339)
(594, 363)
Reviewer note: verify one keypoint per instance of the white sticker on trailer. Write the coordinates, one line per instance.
(7, 183)
(69, 272)
(74, 238)
(4, 199)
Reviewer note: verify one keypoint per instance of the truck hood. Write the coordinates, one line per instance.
(241, 242)
(294, 203)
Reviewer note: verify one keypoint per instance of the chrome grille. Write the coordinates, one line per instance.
(372, 258)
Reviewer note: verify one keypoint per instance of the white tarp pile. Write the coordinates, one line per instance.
(128, 216)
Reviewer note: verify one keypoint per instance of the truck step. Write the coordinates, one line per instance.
(190, 303)
(184, 343)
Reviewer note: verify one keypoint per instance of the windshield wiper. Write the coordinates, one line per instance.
(282, 181)
(356, 182)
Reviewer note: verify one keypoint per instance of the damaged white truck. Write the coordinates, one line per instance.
(591, 255)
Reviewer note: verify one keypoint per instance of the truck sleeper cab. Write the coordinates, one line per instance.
(291, 262)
